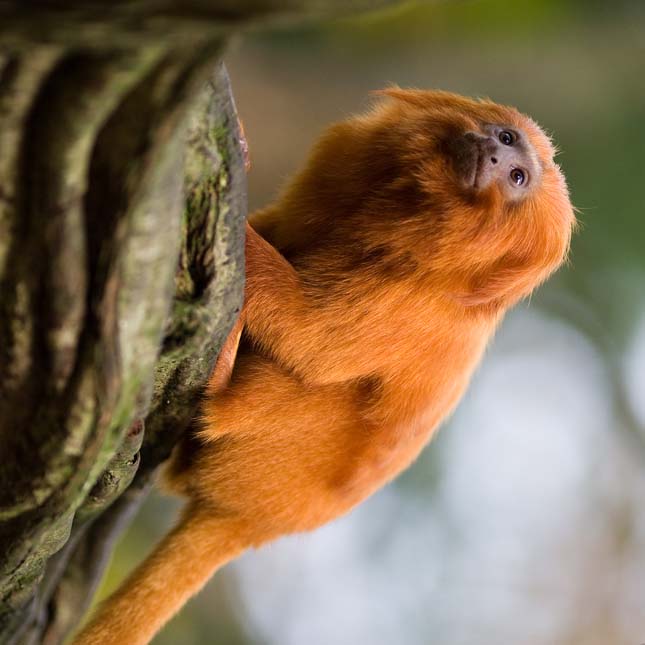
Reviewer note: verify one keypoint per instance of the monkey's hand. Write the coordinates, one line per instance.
(221, 374)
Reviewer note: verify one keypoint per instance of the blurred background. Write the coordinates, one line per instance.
(524, 521)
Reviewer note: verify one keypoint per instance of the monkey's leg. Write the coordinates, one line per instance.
(275, 456)
(177, 569)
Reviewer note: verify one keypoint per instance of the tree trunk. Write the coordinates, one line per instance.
(122, 206)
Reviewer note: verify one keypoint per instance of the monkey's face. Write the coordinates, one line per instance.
(497, 209)
(496, 154)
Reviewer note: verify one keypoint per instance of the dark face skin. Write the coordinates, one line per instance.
(498, 154)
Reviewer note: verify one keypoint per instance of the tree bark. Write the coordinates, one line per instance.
(122, 206)
(89, 295)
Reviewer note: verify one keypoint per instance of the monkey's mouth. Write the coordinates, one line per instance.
(472, 167)
(467, 158)
(478, 158)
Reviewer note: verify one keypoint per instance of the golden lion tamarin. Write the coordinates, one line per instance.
(373, 285)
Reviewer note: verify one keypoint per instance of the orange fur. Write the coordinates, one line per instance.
(371, 294)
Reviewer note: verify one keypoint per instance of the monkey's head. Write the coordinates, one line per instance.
(491, 206)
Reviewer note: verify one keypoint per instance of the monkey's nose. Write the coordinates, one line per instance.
(492, 161)
(492, 153)
(490, 147)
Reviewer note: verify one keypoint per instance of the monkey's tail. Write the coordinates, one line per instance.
(177, 569)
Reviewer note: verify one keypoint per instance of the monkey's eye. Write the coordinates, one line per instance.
(518, 177)
(507, 138)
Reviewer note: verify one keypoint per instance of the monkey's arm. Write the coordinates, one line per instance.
(275, 309)
(283, 322)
